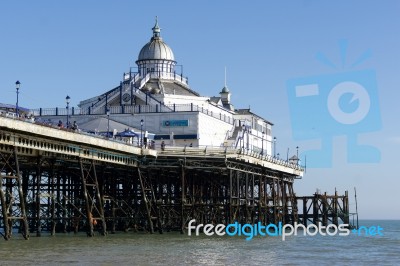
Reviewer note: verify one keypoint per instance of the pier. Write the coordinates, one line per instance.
(56, 180)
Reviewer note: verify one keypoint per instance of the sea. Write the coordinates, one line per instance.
(173, 248)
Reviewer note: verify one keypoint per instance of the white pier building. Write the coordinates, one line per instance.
(157, 99)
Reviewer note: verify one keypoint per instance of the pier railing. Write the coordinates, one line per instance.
(132, 109)
(156, 75)
(228, 152)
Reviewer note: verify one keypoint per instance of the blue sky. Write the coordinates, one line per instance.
(82, 48)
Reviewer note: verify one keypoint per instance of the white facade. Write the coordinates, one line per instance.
(212, 131)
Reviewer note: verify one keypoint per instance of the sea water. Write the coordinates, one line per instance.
(173, 248)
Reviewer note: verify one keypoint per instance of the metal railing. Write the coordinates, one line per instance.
(226, 151)
(177, 150)
(159, 75)
(132, 109)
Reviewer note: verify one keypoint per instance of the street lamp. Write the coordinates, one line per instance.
(262, 143)
(67, 101)
(108, 120)
(141, 133)
(17, 84)
(297, 154)
(274, 146)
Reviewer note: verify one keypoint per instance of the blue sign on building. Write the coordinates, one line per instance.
(175, 123)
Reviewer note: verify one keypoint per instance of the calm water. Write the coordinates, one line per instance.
(177, 249)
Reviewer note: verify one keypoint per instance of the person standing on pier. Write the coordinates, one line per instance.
(74, 126)
(162, 145)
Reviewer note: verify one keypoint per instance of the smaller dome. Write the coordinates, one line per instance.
(156, 49)
(225, 89)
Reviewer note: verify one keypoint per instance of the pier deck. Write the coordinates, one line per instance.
(57, 181)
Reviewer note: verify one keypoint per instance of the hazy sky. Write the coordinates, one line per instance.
(82, 49)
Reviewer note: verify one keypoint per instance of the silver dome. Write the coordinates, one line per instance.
(156, 48)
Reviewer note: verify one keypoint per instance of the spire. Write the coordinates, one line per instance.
(156, 29)
(226, 96)
(225, 78)
(225, 88)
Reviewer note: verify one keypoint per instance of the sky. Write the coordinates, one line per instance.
(82, 49)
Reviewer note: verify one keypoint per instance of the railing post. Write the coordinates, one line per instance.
(72, 111)
(191, 107)
(56, 111)
(40, 111)
(123, 109)
(174, 108)
(139, 108)
(89, 110)
(157, 108)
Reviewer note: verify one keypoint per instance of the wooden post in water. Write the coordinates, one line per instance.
(38, 180)
(53, 200)
(305, 212)
(346, 207)
(4, 211)
(182, 197)
(355, 196)
(324, 200)
(335, 209)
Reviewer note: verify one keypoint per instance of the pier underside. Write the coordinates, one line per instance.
(53, 193)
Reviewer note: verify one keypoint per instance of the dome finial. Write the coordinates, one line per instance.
(225, 78)
(156, 29)
(225, 88)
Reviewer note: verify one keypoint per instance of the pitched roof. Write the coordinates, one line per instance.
(11, 106)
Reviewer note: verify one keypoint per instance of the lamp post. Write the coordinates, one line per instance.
(274, 146)
(67, 101)
(297, 154)
(141, 133)
(17, 84)
(262, 143)
(108, 120)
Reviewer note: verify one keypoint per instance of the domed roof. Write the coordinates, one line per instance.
(225, 89)
(156, 48)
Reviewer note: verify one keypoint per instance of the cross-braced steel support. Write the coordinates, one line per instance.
(91, 194)
(11, 195)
